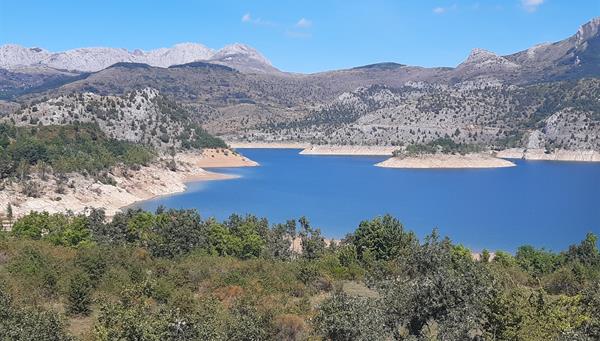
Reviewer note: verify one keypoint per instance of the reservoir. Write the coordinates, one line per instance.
(542, 203)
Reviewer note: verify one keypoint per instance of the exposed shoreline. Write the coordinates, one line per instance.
(131, 187)
(443, 161)
(269, 145)
(558, 155)
(358, 150)
(349, 150)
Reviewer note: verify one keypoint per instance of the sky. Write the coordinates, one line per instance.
(301, 36)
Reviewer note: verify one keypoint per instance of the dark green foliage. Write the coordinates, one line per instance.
(442, 145)
(175, 233)
(70, 148)
(200, 139)
(347, 318)
(537, 261)
(193, 136)
(80, 290)
(29, 323)
(585, 253)
(60, 229)
(172, 275)
(441, 290)
(382, 238)
(313, 243)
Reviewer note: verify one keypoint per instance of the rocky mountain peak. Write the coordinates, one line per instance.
(478, 54)
(240, 50)
(91, 59)
(481, 57)
(588, 30)
(243, 58)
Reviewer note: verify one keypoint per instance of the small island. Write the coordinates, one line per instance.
(444, 153)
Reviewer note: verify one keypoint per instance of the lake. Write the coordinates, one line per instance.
(542, 203)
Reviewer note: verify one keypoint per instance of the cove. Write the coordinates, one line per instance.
(542, 203)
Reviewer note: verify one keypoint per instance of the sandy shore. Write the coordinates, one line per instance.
(221, 158)
(558, 155)
(446, 161)
(131, 186)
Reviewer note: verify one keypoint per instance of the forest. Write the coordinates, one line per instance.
(174, 275)
(78, 148)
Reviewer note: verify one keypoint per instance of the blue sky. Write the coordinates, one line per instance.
(301, 36)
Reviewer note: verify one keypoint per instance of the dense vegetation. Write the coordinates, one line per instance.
(172, 275)
(84, 148)
(80, 148)
(443, 145)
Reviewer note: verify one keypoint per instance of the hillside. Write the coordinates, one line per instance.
(142, 116)
(557, 115)
(542, 97)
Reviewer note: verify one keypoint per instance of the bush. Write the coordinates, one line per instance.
(343, 317)
(18, 323)
(80, 295)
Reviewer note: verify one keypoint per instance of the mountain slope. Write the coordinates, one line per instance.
(564, 115)
(142, 116)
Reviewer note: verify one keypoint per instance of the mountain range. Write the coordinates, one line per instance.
(94, 59)
(237, 93)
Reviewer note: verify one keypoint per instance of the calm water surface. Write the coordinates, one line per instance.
(550, 204)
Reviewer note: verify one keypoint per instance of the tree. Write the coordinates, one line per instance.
(586, 252)
(537, 261)
(438, 289)
(177, 232)
(313, 243)
(280, 239)
(32, 225)
(80, 294)
(383, 238)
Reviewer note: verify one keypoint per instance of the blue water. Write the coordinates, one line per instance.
(546, 204)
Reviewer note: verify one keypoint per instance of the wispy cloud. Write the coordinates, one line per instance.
(439, 10)
(300, 29)
(442, 10)
(531, 5)
(304, 23)
(249, 19)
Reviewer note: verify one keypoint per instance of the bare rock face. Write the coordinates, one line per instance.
(91, 59)
(243, 58)
(15, 55)
(588, 31)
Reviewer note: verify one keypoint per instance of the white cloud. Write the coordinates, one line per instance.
(439, 10)
(442, 10)
(304, 23)
(249, 19)
(531, 5)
